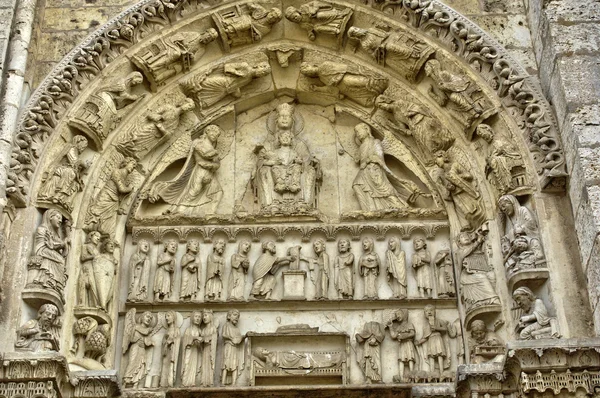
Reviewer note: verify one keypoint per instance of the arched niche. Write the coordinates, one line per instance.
(447, 109)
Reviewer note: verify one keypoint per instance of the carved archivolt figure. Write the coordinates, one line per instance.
(215, 263)
(137, 338)
(169, 56)
(421, 262)
(429, 134)
(371, 336)
(232, 340)
(190, 275)
(157, 125)
(402, 330)
(477, 278)
(87, 295)
(64, 178)
(369, 265)
(484, 344)
(265, 267)
(344, 269)
(396, 268)
(239, 269)
(399, 51)
(170, 350)
(105, 208)
(105, 268)
(535, 321)
(503, 162)
(445, 274)
(286, 174)
(209, 88)
(436, 347)
(457, 184)
(47, 266)
(239, 27)
(523, 248)
(342, 80)
(139, 265)
(318, 17)
(319, 268)
(375, 186)
(208, 333)
(165, 269)
(195, 190)
(192, 347)
(41, 334)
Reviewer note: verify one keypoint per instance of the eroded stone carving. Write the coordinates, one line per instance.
(396, 268)
(468, 104)
(435, 343)
(42, 333)
(165, 270)
(287, 175)
(421, 263)
(64, 177)
(195, 190)
(239, 270)
(398, 50)
(91, 343)
(534, 320)
(190, 271)
(445, 274)
(215, 264)
(99, 116)
(341, 80)
(402, 330)
(170, 349)
(504, 164)
(369, 265)
(317, 17)
(344, 270)
(47, 266)
(233, 362)
(370, 337)
(137, 338)
(139, 268)
(157, 126)
(166, 57)
(484, 344)
(265, 267)
(87, 295)
(245, 24)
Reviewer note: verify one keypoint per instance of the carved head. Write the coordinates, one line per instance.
(208, 36)
(356, 33)
(520, 244)
(285, 116)
(244, 247)
(308, 69)
(401, 315)
(441, 158)
(273, 16)
(464, 238)
(128, 164)
(47, 315)
(431, 67)
(94, 237)
(109, 246)
(187, 105)
(361, 131)
(54, 218)
(196, 318)
(80, 142)
(478, 330)
(343, 245)
(485, 132)
(193, 246)
(147, 318)
(508, 204)
(269, 246)
(233, 316)
(170, 318)
(429, 311)
(219, 246)
(319, 246)
(419, 243)
(261, 69)
(134, 78)
(367, 244)
(261, 353)
(207, 316)
(393, 243)
(143, 246)
(524, 298)
(293, 14)
(213, 132)
(171, 246)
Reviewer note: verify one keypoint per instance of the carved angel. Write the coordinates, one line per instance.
(137, 338)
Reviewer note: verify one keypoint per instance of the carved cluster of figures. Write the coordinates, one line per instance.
(432, 273)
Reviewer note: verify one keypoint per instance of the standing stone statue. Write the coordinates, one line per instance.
(396, 268)
(41, 334)
(265, 267)
(139, 266)
(319, 269)
(64, 177)
(375, 186)
(371, 336)
(192, 347)
(47, 266)
(87, 295)
(190, 271)
(137, 338)
(421, 262)
(344, 269)
(170, 350)
(445, 274)
(208, 333)
(232, 341)
(165, 269)
(436, 347)
(404, 332)
(535, 321)
(105, 269)
(215, 262)
(368, 265)
(239, 269)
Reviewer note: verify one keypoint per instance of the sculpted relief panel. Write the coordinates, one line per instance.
(288, 193)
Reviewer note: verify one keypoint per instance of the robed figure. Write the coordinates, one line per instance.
(192, 345)
(265, 267)
(396, 268)
(232, 339)
(239, 270)
(371, 336)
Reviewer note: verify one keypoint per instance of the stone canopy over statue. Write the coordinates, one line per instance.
(287, 176)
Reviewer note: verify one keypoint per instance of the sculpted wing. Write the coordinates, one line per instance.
(129, 329)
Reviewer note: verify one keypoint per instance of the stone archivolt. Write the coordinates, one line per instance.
(309, 156)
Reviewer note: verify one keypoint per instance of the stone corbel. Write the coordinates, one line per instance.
(95, 384)
(45, 373)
